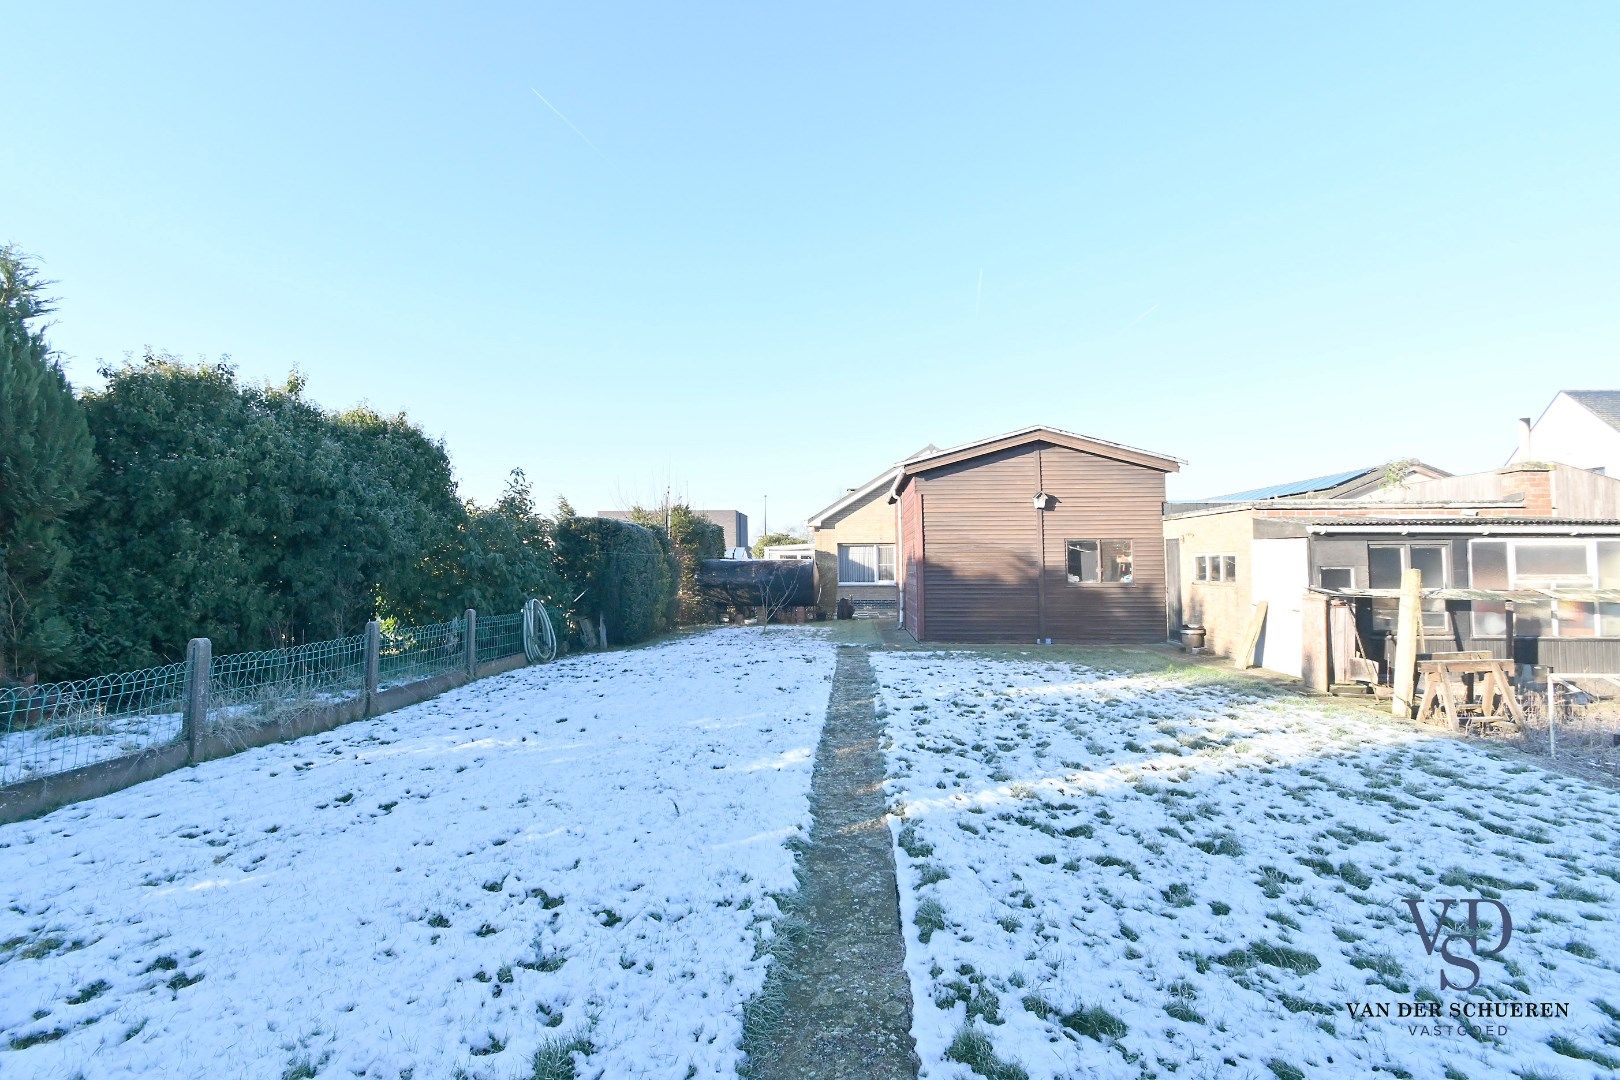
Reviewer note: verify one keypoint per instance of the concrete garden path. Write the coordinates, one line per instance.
(845, 1001)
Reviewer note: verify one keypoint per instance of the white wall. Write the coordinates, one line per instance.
(1569, 434)
(1281, 573)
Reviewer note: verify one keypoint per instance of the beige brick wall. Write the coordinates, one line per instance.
(1222, 608)
(870, 521)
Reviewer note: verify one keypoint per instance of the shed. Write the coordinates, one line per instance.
(1039, 533)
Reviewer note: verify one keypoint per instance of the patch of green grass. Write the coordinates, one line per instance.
(982, 1002)
(1566, 1046)
(1220, 907)
(1350, 834)
(1123, 865)
(973, 1048)
(438, 920)
(1295, 1004)
(38, 949)
(494, 1045)
(1177, 895)
(38, 1038)
(930, 919)
(1284, 1071)
(1272, 881)
(1036, 1005)
(90, 992)
(554, 1060)
(1582, 950)
(1226, 844)
(1568, 891)
(914, 845)
(1184, 1012)
(1282, 918)
(1355, 875)
(1270, 955)
(930, 873)
(300, 1069)
(1096, 1022)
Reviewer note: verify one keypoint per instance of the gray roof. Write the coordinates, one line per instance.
(1603, 404)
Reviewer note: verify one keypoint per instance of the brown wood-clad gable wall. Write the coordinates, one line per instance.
(913, 555)
(995, 568)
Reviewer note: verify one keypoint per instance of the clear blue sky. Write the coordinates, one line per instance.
(1274, 240)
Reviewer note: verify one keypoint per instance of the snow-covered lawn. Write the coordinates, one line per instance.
(578, 857)
(1123, 875)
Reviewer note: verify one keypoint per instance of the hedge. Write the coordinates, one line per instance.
(625, 575)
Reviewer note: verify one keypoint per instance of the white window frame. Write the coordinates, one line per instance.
(1347, 569)
(1215, 563)
(1406, 547)
(1075, 583)
(1425, 625)
(1589, 581)
(877, 564)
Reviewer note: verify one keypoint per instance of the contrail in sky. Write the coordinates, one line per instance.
(567, 121)
(1140, 317)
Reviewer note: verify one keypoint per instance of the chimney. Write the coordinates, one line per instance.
(1524, 438)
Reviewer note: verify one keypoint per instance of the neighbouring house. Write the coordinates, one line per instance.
(734, 523)
(854, 540)
(790, 552)
(1512, 545)
(1579, 428)
(1039, 534)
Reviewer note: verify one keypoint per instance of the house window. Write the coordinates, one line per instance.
(1216, 568)
(1091, 561)
(1550, 565)
(1336, 577)
(865, 564)
(1388, 563)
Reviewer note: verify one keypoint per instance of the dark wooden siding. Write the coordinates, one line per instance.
(980, 529)
(911, 558)
(1099, 498)
(996, 568)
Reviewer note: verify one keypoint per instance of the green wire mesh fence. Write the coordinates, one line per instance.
(499, 636)
(412, 653)
(247, 690)
(56, 727)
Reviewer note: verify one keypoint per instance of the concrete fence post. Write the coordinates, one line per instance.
(373, 663)
(194, 721)
(472, 643)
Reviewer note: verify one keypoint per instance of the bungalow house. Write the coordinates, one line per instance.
(1035, 535)
(854, 542)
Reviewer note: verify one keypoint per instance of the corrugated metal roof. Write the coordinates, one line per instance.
(1604, 404)
(1560, 525)
(1518, 596)
(1297, 487)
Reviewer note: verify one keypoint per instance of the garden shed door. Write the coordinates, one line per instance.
(1280, 575)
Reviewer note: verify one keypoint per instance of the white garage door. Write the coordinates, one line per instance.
(1281, 572)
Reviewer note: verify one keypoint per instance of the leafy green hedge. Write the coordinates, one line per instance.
(624, 574)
